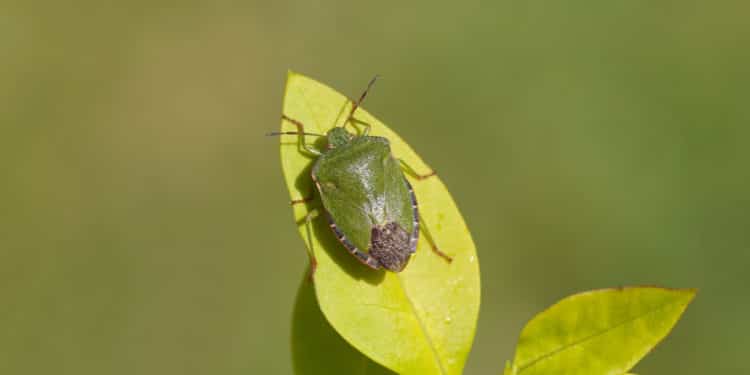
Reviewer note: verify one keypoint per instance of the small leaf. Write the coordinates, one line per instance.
(602, 332)
(317, 348)
(419, 321)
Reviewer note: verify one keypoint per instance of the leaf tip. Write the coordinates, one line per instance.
(693, 292)
(291, 74)
(690, 293)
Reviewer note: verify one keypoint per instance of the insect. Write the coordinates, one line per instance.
(371, 206)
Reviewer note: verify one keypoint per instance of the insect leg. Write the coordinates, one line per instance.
(301, 137)
(408, 169)
(360, 122)
(310, 251)
(431, 240)
(305, 199)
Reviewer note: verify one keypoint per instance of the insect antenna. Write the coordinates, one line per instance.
(361, 99)
(271, 134)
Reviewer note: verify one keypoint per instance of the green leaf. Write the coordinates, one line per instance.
(601, 332)
(317, 348)
(419, 321)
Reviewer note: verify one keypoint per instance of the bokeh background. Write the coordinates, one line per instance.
(144, 222)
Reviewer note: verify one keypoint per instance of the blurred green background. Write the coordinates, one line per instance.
(144, 222)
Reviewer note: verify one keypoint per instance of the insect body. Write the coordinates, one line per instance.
(371, 206)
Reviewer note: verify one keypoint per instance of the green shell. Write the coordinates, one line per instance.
(362, 186)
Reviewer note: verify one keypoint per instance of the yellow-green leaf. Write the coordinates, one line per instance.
(419, 321)
(602, 332)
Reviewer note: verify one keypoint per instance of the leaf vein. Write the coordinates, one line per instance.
(423, 328)
(589, 337)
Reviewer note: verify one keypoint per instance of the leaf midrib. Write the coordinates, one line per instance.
(422, 326)
(589, 337)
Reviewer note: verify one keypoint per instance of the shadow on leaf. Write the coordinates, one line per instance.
(323, 233)
(317, 348)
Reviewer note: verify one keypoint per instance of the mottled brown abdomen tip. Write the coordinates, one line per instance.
(390, 245)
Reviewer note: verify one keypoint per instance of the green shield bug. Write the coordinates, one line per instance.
(371, 206)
